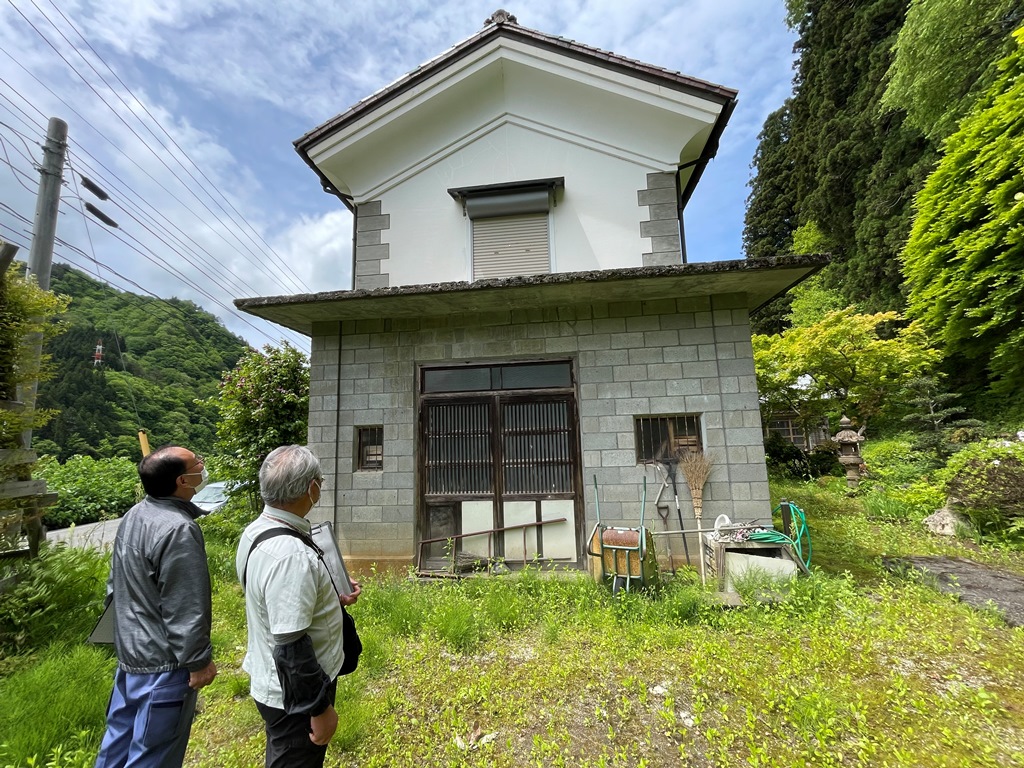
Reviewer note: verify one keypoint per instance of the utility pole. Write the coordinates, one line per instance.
(44, 230)
(40, 257)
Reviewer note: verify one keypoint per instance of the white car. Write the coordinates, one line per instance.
(212, 498)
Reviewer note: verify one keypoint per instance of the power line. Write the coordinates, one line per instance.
(167, 307)
(16, 172)
(24, 141)
(166, 303)
(284, 271)
(157, 123)
(113, 181)
(140, 249)
(257, 262)
(117, 341)
(17, 93)
(235, 279)
(212, 279)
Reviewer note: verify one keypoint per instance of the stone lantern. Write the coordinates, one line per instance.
(849, 451)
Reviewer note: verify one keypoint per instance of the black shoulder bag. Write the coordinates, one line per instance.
(349, 637)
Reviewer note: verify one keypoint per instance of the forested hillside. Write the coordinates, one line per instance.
(159, 357)
(906, 117)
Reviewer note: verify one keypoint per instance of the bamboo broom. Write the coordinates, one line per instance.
(696, 468)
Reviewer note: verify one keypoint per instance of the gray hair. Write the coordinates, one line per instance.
(286, 474)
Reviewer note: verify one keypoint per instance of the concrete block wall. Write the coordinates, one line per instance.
(676, 356)
(662, 226)
(372, 254)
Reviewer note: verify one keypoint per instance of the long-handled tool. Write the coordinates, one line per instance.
(663, 514)
(670, 469)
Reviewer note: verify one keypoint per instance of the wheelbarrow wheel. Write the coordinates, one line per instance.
(618, 584)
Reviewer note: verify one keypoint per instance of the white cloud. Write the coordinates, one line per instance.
(322, 245)
(234, 84)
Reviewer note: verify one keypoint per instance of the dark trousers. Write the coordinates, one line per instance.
(288, 743)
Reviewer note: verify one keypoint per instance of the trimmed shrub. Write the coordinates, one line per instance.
(893, 461)
(988, 478)
(90, 489)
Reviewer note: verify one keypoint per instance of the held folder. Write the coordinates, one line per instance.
(103, 632)
(323, 536)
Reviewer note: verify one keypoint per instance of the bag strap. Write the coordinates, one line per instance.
(283, 531)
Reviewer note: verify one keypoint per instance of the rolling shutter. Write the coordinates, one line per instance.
(507, 246)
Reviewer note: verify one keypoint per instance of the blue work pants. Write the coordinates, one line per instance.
(148, 720)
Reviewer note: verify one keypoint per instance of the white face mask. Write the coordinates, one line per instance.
(320, 488)
(205, 478)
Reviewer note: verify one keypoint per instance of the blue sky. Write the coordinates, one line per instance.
(185, 112)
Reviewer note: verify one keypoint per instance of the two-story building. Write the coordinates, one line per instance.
(523, 318)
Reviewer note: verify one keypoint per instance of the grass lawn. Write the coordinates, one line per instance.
(852, 666)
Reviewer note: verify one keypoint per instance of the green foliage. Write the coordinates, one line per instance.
(852, 168)
(89, 489)
(894, 461)
(941, 431)
(808, 238)
(24, 310)
(845, 361)
(943, 57)
(76, 680)
(787, 460)
(158, 358)
(812, 301)
(988, 477)
(574, 677)
(784, 458)
(263, 403)
(770, 216)
(221, 533)
(965, 253)
(455, 621)
(881, 506)
(56, 597)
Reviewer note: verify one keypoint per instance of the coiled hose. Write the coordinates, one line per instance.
(801, 534)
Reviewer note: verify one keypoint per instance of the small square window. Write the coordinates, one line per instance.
(370, 448)
(661, 438)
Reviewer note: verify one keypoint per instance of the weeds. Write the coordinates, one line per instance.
(64, 692)
(852, 665)
(56, 597)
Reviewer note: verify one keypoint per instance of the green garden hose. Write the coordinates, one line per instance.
(801, 534)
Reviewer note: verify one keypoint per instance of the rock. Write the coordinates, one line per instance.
(944, 522)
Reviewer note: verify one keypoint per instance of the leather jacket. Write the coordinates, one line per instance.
(160, 585)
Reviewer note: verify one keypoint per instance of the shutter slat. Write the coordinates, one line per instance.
(507, 246)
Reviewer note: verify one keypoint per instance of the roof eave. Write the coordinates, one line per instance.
(710, 91)
(760, 279)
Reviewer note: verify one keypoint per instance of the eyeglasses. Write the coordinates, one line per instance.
(199, 460)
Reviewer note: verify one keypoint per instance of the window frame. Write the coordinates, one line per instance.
(691, 439)
(364, 442)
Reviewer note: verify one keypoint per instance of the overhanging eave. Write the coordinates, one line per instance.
(761, 280)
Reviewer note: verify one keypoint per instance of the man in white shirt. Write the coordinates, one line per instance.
(293, 613)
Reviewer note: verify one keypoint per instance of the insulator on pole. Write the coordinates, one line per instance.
(101, 215)
(91, 185)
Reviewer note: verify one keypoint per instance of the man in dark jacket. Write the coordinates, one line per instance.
(160, 588)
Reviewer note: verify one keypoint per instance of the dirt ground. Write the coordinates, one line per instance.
(977, 585)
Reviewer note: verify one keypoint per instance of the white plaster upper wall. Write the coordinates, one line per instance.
(583, 102)
(595, 225)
